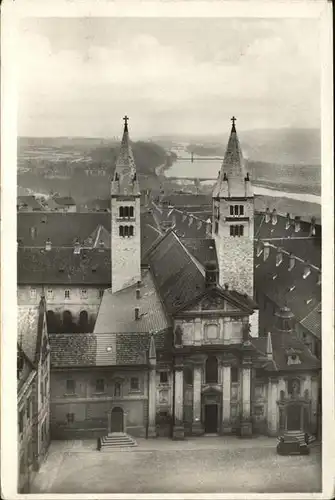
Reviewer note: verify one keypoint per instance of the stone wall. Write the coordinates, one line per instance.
(126, 251)
(90, 408)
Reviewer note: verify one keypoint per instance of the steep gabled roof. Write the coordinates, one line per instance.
(117, 310)
(176, 275)
(104, 349)
(31, 320)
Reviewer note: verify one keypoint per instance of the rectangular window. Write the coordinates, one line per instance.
(42, 391)
(134, 384)
(234, 374)
(100, 385)
(83, 293)
(163, 376)
(70, 418)
(50, 294)
(21, 420)
(231, 208)
(236, 209)
(70, 386)
(33, 293)
(67, 294)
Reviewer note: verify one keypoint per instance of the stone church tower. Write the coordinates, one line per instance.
(125, 214)
(233, 220)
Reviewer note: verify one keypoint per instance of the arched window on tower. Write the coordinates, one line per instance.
(121, 212)
(126, 231)
(131, 212)
(212, 370)
(121, 230)
(131, 230)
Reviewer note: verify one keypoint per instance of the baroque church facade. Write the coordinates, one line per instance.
(156, 334)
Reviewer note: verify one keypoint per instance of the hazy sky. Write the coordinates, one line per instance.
(79, 76)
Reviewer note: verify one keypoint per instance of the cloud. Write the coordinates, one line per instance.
(271, 80)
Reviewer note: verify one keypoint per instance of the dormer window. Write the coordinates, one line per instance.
(266, 251)
(293, 359)
(279, 258)
(307, 272)
(291, 288)
(291, 263)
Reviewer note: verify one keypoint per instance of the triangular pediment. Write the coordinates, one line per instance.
(215, 300)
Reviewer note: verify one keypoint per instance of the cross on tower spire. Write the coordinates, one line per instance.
(125, 119)
(233, 119)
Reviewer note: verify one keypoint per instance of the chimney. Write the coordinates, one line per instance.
(279, 257)
(297, 224)
(48, 245)
(208, 228)
(307, 271)
(137, 313)
(267, 215)
(138, 293)
(211, 274)
(77, 248)
(312, 228)
(190, 220)
(269, 350)
(139, 283)
(288, 221)
(274, 217)
(291, 262)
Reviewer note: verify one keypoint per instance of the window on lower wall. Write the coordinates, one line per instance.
(163, 377)
(70, 386)
(117, 389)
(70, 418)
(100, 385)
(134, 384)
(234, 374)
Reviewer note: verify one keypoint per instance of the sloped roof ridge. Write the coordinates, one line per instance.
(156, 243)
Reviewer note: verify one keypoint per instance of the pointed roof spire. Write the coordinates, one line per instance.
(269, 350)
(125, 179)
(152, 348)
(233, 181)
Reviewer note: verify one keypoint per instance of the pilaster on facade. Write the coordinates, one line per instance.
(226, 399)
(152, 402)
(178, 426)
(272, 413)
(197, 427)
(246, 422)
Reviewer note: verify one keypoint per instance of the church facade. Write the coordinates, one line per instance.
(170, 342)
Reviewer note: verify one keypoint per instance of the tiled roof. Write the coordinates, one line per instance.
(176, 275)
(149, 231)
(30, 328)
(282, 343)
(62, 228)
(299, 243)
(281, 285)
(203, 249)
(183, 227)
(104, 349)
(100, 204)
(117, 310)
(29, 201)
(312, 321)
(64, 201)
(188, 200)
(61, 265)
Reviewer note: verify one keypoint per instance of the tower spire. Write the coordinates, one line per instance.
(125, 178)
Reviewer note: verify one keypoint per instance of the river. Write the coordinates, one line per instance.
(202, 168)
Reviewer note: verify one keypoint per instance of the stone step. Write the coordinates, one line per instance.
(117, 440)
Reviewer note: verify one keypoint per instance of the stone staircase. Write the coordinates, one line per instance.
(117, 440)
(299, 435)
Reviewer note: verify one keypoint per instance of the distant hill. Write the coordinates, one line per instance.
(281, 146)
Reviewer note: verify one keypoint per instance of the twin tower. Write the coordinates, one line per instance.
(232, 219)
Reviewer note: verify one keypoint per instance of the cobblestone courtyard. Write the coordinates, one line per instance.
(203, 465)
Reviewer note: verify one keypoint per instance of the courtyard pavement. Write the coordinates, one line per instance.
(196, 465)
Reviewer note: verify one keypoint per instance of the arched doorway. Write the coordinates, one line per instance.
(117, 420)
